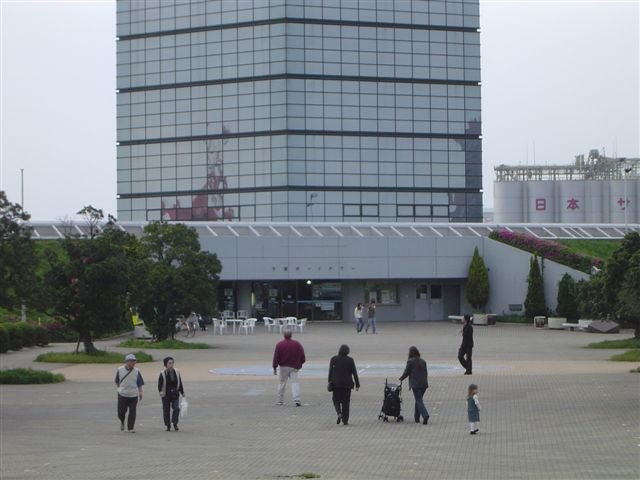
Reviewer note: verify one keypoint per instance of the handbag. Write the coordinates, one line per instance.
(330, 387)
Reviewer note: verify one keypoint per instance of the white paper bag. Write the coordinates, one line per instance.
(184, 407)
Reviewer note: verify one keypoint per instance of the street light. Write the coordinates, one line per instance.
(625, 169)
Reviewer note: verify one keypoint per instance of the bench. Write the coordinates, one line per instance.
(571, 326)
(582, 325)
(456, 318)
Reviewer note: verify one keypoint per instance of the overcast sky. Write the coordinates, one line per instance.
(559, 78)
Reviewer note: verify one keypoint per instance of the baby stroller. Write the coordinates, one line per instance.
(391, 403)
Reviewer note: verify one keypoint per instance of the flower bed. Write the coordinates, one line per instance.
(547, 249)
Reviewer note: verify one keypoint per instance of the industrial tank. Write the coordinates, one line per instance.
(508, 202)
(594, 201)
(541, 202)
(571, 201)
(616, 201)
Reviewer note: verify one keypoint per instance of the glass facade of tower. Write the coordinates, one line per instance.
(250, 110)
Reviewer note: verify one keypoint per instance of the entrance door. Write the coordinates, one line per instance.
(421, 305)
(451, 300)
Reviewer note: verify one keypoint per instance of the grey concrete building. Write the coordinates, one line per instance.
(414, 271)
(292, 110)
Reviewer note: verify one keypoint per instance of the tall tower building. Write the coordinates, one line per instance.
(296, 110)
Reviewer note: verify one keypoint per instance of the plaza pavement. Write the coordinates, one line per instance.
(551, 409)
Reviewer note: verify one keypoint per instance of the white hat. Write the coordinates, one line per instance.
(131, 356)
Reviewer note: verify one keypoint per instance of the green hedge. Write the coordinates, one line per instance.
(99, 357)
(14, 336)
(164, 344)
(27, 376)
(4, 338)
(28, 334)
(42, 336)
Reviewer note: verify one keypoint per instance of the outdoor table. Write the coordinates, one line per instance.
(234, 321)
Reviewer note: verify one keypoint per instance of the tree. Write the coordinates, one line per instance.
(477, 282)
(591, 299)
(180, 278)
(17, 257)
(629, 296)
(535, 304)
(567, 303)
(92, 280)
(616, 268)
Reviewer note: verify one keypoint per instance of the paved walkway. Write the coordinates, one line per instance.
(550, 409)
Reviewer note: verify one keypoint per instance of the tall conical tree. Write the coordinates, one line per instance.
(534, 304)
(477, 282)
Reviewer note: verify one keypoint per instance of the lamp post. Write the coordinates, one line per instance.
(625, 172)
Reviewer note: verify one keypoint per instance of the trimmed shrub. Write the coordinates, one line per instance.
(15, 336)
(28, 334)
(59, 332)
(41, 336)
(4, 339)
(567, 303)
(477, 282)
(547, 249)
(535, 304)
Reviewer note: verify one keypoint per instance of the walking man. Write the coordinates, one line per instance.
(289, 357)
(170, 388)
(464, 353)
(129, 382)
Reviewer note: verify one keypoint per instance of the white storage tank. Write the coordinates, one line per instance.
(617, 204)
(614, 201)
(571, 201)
(508, 202)
(541, 202)
(594, 201)
(633, 192)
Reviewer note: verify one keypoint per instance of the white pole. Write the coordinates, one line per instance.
(22, 188)
(626, 200)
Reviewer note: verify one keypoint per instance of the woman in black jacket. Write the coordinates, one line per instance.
(342, 374)
(416, 370)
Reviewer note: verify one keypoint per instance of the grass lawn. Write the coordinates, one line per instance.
(628, 356)
(27, 376)
(595, 248)
(624, 343)
(168, 344)
(100, 357)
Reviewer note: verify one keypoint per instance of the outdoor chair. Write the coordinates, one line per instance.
(269, 323)
(249, 324)
(219, 325)
(301, 324)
